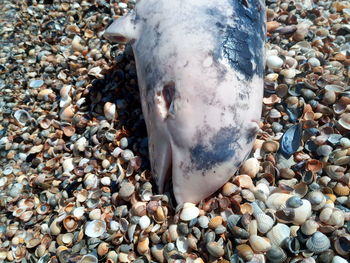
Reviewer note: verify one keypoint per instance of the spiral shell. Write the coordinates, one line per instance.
(264, 221)
(318, 242)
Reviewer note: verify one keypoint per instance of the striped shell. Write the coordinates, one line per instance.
(318, 242)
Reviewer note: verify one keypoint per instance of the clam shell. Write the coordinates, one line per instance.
(259, 244)
(250, 167)
(309, 227)
(70, 223)
(292, 245)
(337, 218)
(245, 252)
(341, 189)
(276, 255)
(338, 259)
(89, 259)
(342, 245)
(302, 213)
(22, 117)
(109, 110)
(95, 228)
(294, 202)
(326, 214)
(318, 242)
(278, 234)
(215, 249)
(189, 212)
(317, 200)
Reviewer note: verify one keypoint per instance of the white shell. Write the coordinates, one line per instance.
(109, 110)
(309, 227)
(81, 144)
(90, 180)
(144, 222)
(68, 165)
(95, 228)
(274, 62)
(338, 259)
(182, 244)
(78, 212)
(278, 234)
(22, 117)
(302, 213)
(95, 214)
(88, 259)
(189, 212)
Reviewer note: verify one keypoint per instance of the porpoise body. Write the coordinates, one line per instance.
(200, 70)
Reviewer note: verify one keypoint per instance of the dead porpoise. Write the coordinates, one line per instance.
(200, 70)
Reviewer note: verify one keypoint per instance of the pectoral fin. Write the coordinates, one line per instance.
(123, 29)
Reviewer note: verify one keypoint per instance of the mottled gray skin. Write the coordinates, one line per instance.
(200, 72)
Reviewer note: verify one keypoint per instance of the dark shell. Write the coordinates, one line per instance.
(290, 140)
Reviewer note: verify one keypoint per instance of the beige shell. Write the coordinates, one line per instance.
(309, 227)
(245, 252)
(337, 218)
(70, 223)
(276, 200)
(109, 110)
(244, 181)
(143, 245)
(326, 214)
(259, 244)
(102, 249)
(278, 234)
(250, 167)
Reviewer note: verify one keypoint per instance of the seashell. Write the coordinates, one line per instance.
(326, 256)
(317, 200)
(95, 228)
(270, 146)
(338, 259)
(215, 222)
(95, 214)
(143, 245)
(302, 213)
(290, 140)
(314, 165)
(109, 110)
(89, 258)
(335, 172)
(276, 255)
(157, 252)
(126, 190)
(244, 181)
(102, 249)
(67, 113)
(250, 167)
(81, 144)
(215, 249)
(245, 252)
(292, 245)
(264, 221)
(309, 227)
(259, 244)
(22, 117)
(246, 208)
(229, 188)
(232, 220)
(276, 200)
(341, 189)
(90, 181)
(253, 227)
(68, 130)
(274, 62)
(144, 222)
(325, 214)
(318, 242)
(294, 202)
(289, 73)
(189, 212)
(344, 121)
(337, 218)
(301, 189)
(239, 232)
(182, 244)
(55, 229)
(342, 245)
(278, 234)
(294, 230)
(287, 173)
(70, 223)
(67, 165)
(76, 45)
